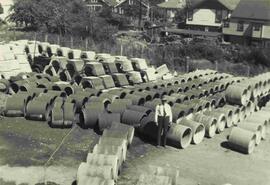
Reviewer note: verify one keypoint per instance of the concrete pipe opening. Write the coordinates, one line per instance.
(242, 140)
(180, 135)
(71, 69)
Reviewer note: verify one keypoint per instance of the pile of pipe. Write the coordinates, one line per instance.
(104, 163)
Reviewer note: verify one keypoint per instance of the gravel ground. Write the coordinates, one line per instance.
(25, 146)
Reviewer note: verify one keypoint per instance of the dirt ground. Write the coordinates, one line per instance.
(26, 146)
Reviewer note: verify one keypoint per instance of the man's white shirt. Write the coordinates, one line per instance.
(161, 109)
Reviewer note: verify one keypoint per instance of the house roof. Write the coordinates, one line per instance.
(112, 2)
(144, 2)
(229, 4)
(172, 4)
(252, 9)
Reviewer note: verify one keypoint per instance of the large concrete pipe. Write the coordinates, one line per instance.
(69, 89)
(110, 150)
(74, 54)
(236, 112)
(124, 65)
(219, 99)
(180, 135)
(210, 123)
(239, 95)
(90, 55)
(103, 100)
(120, 79)
(78, 99)
(143, 94)
(4, 85)
(91, 170)
(56, 115)
(34, 91)
(113, 141)
(182, 97)
(109, 96)
(181, 110)
(228, 115)
(125, 129)
(134, 77)
(94, 69)
(92, 82)
(37, 110)
(259, 120)
(119, 106)
(138, 108)
(152, 104)
(255, 128)
(105, 120)
(220, 117)
(242, 140)
(15, 105)
(138, 64)
(198, 130)
(131, 117)
(136, 99)
(107, 81)
(90, 112)
(104, 160)
(110, 68)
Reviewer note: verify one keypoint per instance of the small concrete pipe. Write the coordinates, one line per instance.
(198, 130)
(242, 140)
(220, 117)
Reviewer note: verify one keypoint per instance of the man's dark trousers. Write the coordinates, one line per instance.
(163, 124)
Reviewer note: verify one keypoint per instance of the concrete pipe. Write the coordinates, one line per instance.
(209, 123)
(65, 76)
(219, 98)
(78, 99)
(91, 170)
(136, 100)
(125, 129)
(27, 86)
(89, 114)
(146, 179)
(171, 100)
(138, 108)
(104, 160)
(110, 150)
(120, 79)
(198, 130)
(236, 112)
(35, 91)
(242, 140)
(107, 81)
(228, 115)
(37, 110)
(255, 119)
(134, 77)
(239, 95)
(180, 135)
(50, 71)
(110, 68)
(94, 69)
(255, 128)
(4, 85)
(131, 117)
(242, 113)
(182, 97)
(165, 171)
(180, 110)
(92, 82)
(91, 92)
(119, 106)
(93, 180)
(160, 91)
(69, 110)
(109, 96)
(152, 104)
(124, 65)
(90, 55)
(56, 115)
(50, 96)
(105, 120)
(103, 100)
(220, 117)
(64, 87)
(45, 85)
(15, 105)
(118, 92)
(74, 54)
(143, 94)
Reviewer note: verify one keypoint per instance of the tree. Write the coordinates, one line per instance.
(1, 9)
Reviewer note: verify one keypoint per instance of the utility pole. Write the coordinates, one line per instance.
(140, 14)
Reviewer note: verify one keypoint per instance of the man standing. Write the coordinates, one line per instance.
(163, 118)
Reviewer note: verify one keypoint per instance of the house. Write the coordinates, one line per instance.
(6, 5)
(249, 23)
(172, 6)
(97, 5)
(208, 15)
(132, 8)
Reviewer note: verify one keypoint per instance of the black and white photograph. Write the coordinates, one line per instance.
(134, 92)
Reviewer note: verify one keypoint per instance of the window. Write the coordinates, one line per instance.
(130, 2)
(218, 16)
(257, 27)
(226, 24)
(240, 26)
(94, 1)
(190, 15)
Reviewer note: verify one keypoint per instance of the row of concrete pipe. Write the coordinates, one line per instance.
(104, 162)
(250, 131)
